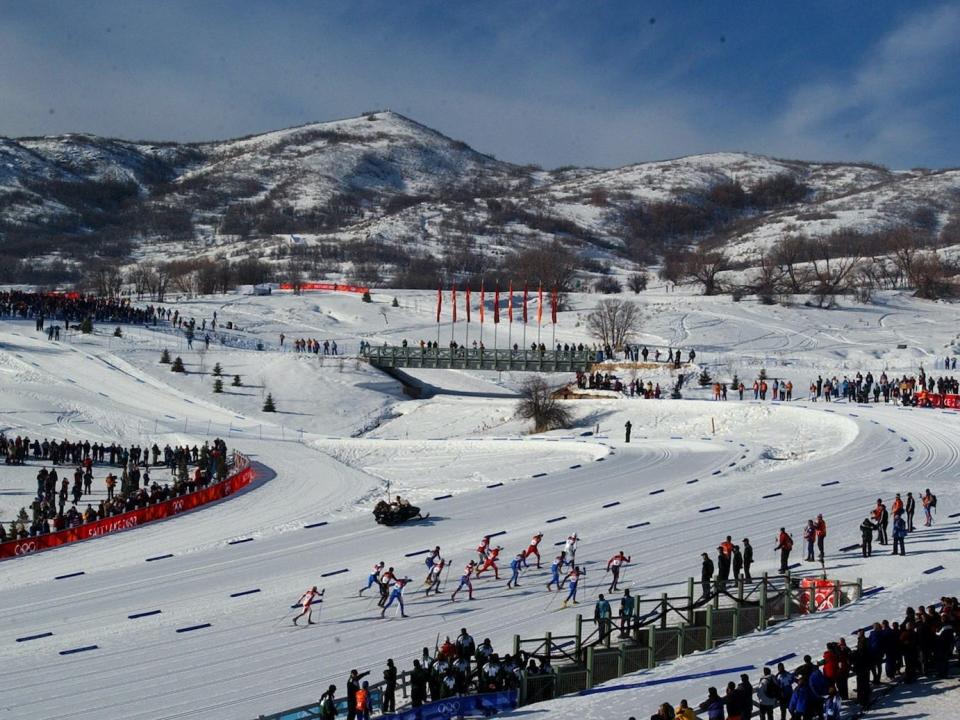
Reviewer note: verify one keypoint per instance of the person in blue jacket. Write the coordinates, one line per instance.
(713, 705)
(800, 702)
(515, 566)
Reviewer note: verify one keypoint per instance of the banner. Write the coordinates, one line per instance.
(455, 707)
(334, 287)
(524, 303)
(510, 305)
(453, 300)
(468, 303)
(554, 301)
(823, 594)
(496, 305)
(481, 307)
(439, 302)
(540, 305)
(242, 476)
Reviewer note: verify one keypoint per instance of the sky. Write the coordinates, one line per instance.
(550, 82)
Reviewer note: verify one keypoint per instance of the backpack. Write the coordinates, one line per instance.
(771, 687)
(933, 500)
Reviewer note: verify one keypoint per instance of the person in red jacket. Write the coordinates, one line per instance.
(784, 545)
(491, 562)
(821, 531)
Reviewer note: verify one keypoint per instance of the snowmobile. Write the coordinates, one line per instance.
(387, 514)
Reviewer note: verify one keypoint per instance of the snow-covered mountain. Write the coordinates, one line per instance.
(382, 180)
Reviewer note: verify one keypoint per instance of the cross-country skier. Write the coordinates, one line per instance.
(570, 549)
(483, 548)
(532, 549)
(306, 602)
(386, 580)
(613, 567)
(396, 594)
(555, 568)
(491, 562)
(432, 558)
(374, 577)
(515, 566)
(465, 581)
(574, 577)
(433, 577)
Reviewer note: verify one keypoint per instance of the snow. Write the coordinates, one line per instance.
(344, 430)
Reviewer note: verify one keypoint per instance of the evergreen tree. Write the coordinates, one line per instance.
(86, 327)
(395, 303)
(178, 366)
(236, 381)
(704, 378)
(366, 296)
(218, 385)
(735, 383)
(268, 405)
(118, 332)
(165, 357)
(763, 374)
(217, 370)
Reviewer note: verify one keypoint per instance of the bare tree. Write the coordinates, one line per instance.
(834, 261)
(929, 276)
(614, 322)
(538, 404)
(791, 254)
(703, 266)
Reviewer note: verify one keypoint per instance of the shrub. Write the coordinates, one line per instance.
(539, 405)
(218, 385)
(268, 405)
(236, 381)
(118, 332)
(607, 285)
(638, 281)
(217, 370)
(178, 366)
(165, 357)
(366, 296)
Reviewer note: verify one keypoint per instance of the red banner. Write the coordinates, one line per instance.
(823, 594)
(334, 287)
(468, 303)
(928, 399)
(128, 520)
(496, 305)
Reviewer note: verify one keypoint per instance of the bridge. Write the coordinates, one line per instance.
(462, 358)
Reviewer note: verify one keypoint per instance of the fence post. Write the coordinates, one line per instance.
(859, 588)
(716, 594)
(690, 601)
(787, 598)
(651, 646)
(763, 603)
(635, 629)
(836, 593)
(548, 644)
(578, 646)
(589, 682)
(709, 639)
(522, 696)
(516, 645)
(812, 599)
(622, 662)
(663, 610)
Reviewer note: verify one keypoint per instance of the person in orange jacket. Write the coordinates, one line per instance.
(363, 702)
(897, 506)
(784, 545)
(727, 546)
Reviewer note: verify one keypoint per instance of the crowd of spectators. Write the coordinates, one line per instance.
(56, 505)
(922, 644)
(72, 307)
(866, 388)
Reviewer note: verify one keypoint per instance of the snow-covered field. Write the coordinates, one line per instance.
(344, 430)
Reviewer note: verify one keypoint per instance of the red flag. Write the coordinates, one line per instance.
(554, 301)
(539, 305)
(524, 303)
(496, 304)
(453, 299)
(481, 304)
(439, 302)
(468, 303)
(510, 304)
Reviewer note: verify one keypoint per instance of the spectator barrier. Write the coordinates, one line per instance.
(242, 475)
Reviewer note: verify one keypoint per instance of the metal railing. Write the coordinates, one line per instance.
(479, 359)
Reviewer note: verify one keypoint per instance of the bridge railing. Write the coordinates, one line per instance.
(480, 359)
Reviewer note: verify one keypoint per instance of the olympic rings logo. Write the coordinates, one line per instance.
(25, 548)
(449, 708)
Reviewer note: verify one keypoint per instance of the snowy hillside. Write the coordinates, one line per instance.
(379, 189)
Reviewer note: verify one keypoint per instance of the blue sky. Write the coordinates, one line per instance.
(553, 83)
